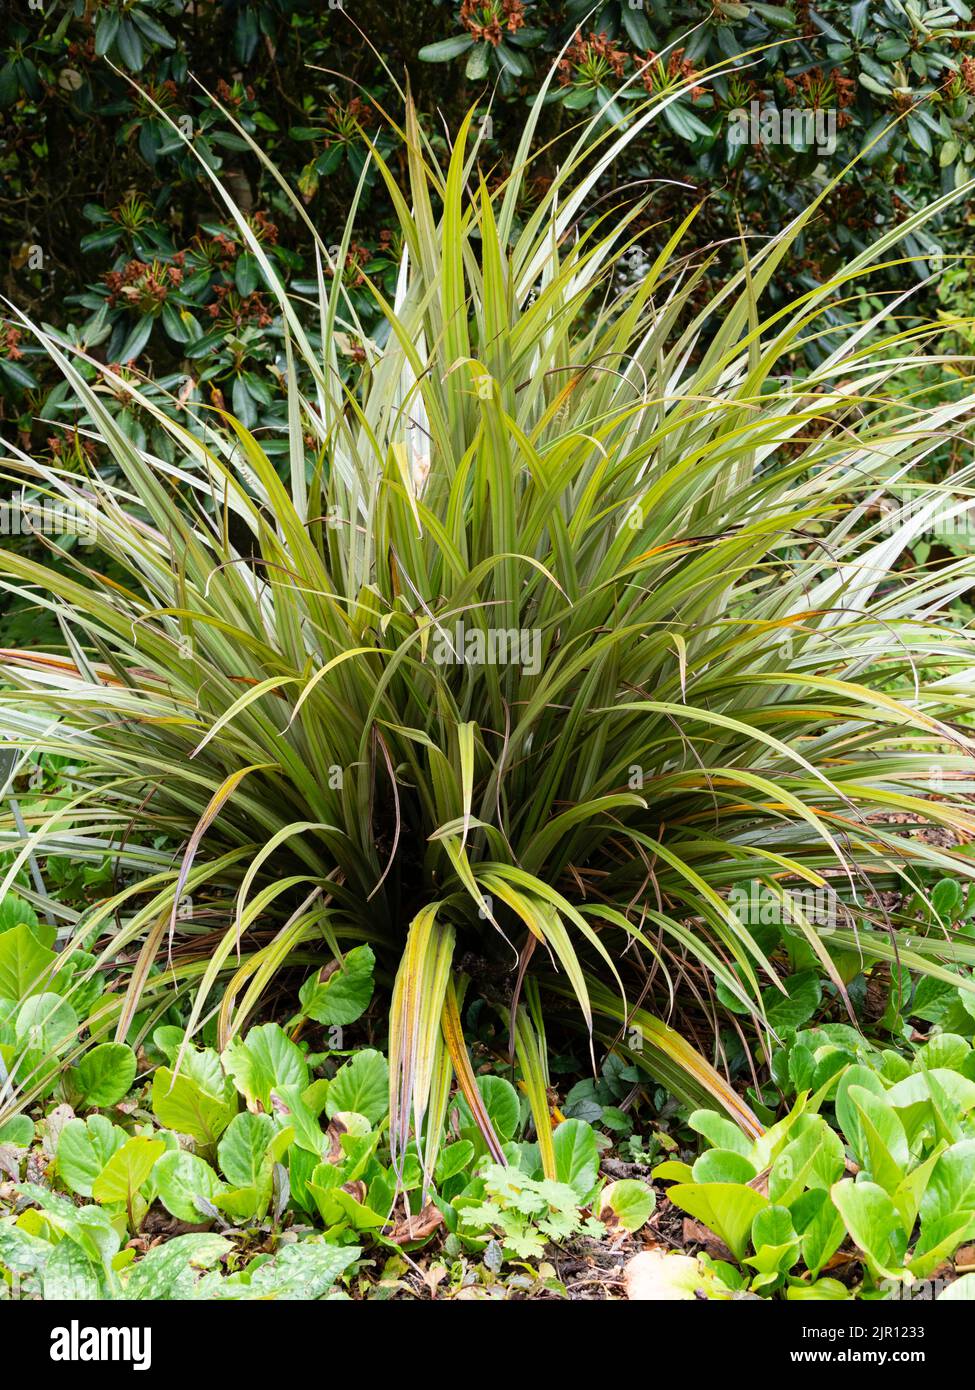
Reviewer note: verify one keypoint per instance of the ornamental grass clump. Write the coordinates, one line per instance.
(574, 615)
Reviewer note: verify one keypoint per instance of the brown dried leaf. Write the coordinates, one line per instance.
(10, 1160)
(335, 1153)
(53, 1126)
(655, 1276)
(418, 1226)
(696, 1234)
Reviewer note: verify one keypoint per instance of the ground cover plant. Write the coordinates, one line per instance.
(292, 1171)
(265, 1172)
(549, 647)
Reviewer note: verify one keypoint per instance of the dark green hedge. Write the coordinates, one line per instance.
(114, 233)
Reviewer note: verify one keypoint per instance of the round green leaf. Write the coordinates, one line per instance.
(84, 1148)
(105, 1074)
(576, 1156)
(627, 1204)
(45, 1022)
(180, 1179)
(362, 1085)
(343, 995)
(241, 1150)
(723, 1165)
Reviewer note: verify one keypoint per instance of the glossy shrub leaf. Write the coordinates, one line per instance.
(445, 49)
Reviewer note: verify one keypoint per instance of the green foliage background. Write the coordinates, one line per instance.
(111, 228)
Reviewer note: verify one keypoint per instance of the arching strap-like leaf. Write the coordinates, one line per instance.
(453, 1034)
(222, 795)
(529, 1049)
(414, 1022)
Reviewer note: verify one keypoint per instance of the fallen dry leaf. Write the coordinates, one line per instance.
(53, 1125)
(418, 1226)
(656, 1275)
(10, 1161)
(335, 1153)
(696, 1234)
(433, 1277)
(760, 1182)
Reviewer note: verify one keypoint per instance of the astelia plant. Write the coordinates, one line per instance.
(575, 615)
